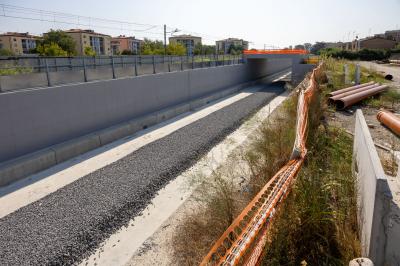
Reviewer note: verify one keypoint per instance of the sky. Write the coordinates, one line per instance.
(266, 23)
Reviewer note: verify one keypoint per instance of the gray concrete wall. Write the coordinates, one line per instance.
(35, 119)
(299, 71)
(374, 195)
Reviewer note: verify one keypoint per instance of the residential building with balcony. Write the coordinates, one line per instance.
(100, 43)
(122, 43)
(18, 43)
(188, 41)
(226, 44)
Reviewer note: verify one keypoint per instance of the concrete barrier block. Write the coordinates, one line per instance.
(374, 194)
(182, 108)
(142, 122)
(21, 167)
(111, 134)
(65, 77)
(75, 147)
(22, 81)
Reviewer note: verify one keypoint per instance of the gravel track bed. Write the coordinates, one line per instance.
(67, 225)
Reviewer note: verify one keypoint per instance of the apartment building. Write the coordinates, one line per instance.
(122, 43)
(393, 35)
(18, 43)
(100, 43)
(188, 41)
(226, 44)
(375, 42)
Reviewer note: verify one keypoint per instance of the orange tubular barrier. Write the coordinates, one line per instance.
(244, 240)
(275, 51)
(389, 120)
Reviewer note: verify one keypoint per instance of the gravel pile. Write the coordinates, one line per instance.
(66, 226)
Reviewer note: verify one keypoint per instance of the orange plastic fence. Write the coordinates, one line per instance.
(244, 240)
(276, 51)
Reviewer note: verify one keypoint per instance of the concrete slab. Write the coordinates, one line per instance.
(111, 134)
(23, 166)
(75, 147)
(374, 194)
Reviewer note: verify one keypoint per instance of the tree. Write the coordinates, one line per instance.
(198, 49)
(209, 49)
(307, 46)
(176, 49)
(317, 46)
(89, 51)
(150, 47)
(63, 40)
(299, 47)
(5, 52)
(127, 52)
(51, 49)
(235, 49)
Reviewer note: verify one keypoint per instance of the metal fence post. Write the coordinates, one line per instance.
(39, 65)
(181, 63)
(47, 72)
(136, 66)
(192, 61)
(357, 74)
(154, 65)
(94, 62)
(223, 59)
(113, 67)
(55, 63)
(84, 70)
(169, 63)
(122, 61)
(70, 63)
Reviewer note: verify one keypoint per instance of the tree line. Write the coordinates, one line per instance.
(58, 43)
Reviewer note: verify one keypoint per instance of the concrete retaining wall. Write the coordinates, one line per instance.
(374, 194)
(57, 117)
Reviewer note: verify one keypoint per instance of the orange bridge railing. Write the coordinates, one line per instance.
(276, 51)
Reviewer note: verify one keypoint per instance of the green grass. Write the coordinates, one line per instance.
(317, 223)
(8, 71)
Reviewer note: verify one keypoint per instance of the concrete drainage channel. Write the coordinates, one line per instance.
(65, 226)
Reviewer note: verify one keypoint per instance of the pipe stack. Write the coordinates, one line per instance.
(389, 120)
(351, 95)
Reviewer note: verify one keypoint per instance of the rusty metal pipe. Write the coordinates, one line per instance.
(341, 95)
(389, 120)
(333, 93)
(352, 99)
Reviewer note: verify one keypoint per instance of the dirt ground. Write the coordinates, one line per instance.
(385, 140)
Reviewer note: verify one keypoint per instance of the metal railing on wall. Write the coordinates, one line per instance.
(110, 66)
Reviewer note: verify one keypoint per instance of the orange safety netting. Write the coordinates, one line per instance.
(244, 240)
(276, 51)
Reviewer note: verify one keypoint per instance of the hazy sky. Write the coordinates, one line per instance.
(279, 23)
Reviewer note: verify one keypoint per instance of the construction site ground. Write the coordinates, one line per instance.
(385, 140)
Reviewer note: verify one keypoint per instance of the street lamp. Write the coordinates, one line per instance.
(165, 37)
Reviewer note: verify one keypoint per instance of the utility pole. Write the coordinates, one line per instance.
(165, 39)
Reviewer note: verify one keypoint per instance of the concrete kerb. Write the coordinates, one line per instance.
(374, 195)
(18, 168)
